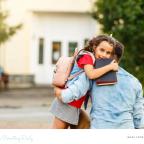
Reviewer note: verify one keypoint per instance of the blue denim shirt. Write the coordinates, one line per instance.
(115, 106)
(76, 94)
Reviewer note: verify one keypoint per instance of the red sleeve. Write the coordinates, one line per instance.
(85, 59)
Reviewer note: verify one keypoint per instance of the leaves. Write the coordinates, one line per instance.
(6, 31)
(125, 19)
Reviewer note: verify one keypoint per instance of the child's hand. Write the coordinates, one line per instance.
(114, 65)
(57, 92)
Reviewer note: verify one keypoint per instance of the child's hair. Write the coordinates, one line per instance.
(119, 50)
(97, 40)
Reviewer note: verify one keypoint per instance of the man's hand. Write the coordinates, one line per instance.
(57, 93)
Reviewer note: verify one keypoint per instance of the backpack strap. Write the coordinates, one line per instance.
(74, 75)
(83, 52)
(76, 57)
(91, 54)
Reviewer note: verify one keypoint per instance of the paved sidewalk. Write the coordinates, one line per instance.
(26, 108)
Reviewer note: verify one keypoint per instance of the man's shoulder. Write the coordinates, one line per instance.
(128, 75)
(130, 80)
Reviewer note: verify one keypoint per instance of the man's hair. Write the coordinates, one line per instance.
(119, 50)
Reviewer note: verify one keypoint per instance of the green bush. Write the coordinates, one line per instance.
(125, 20)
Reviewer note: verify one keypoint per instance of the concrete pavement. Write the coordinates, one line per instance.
(26, 108)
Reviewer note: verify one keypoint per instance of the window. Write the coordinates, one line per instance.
(72, 46)
(56, 51)
(41, 51)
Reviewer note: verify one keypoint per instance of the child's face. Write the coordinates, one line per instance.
(103, 50)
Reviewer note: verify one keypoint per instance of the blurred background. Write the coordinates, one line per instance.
(35, 33)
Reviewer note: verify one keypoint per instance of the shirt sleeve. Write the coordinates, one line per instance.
(78, 89)
(85, 59)
(138, 113)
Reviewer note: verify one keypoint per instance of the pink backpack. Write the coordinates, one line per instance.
(63, 69)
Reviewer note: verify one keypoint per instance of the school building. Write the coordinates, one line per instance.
(51, 28)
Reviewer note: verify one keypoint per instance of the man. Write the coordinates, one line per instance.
(113, 106)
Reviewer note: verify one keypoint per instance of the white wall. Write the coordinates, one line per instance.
(63, 27)
(60, 20)
(16, 49)
(16, 55)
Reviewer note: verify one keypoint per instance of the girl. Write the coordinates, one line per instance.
(101, 46)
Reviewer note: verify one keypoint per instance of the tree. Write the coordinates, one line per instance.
(125, 20)
(6, 31)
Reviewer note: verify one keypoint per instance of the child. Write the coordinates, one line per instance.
(101, 46)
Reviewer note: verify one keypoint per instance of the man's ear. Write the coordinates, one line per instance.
(116, 58)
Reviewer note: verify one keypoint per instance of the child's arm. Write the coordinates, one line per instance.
(93, 73)
(75, 91)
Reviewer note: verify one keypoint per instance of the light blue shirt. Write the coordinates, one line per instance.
(115, 106)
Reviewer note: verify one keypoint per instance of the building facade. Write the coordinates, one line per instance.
(51, 28)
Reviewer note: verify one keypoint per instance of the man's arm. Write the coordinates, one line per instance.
(76, 90)
(138, 114)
